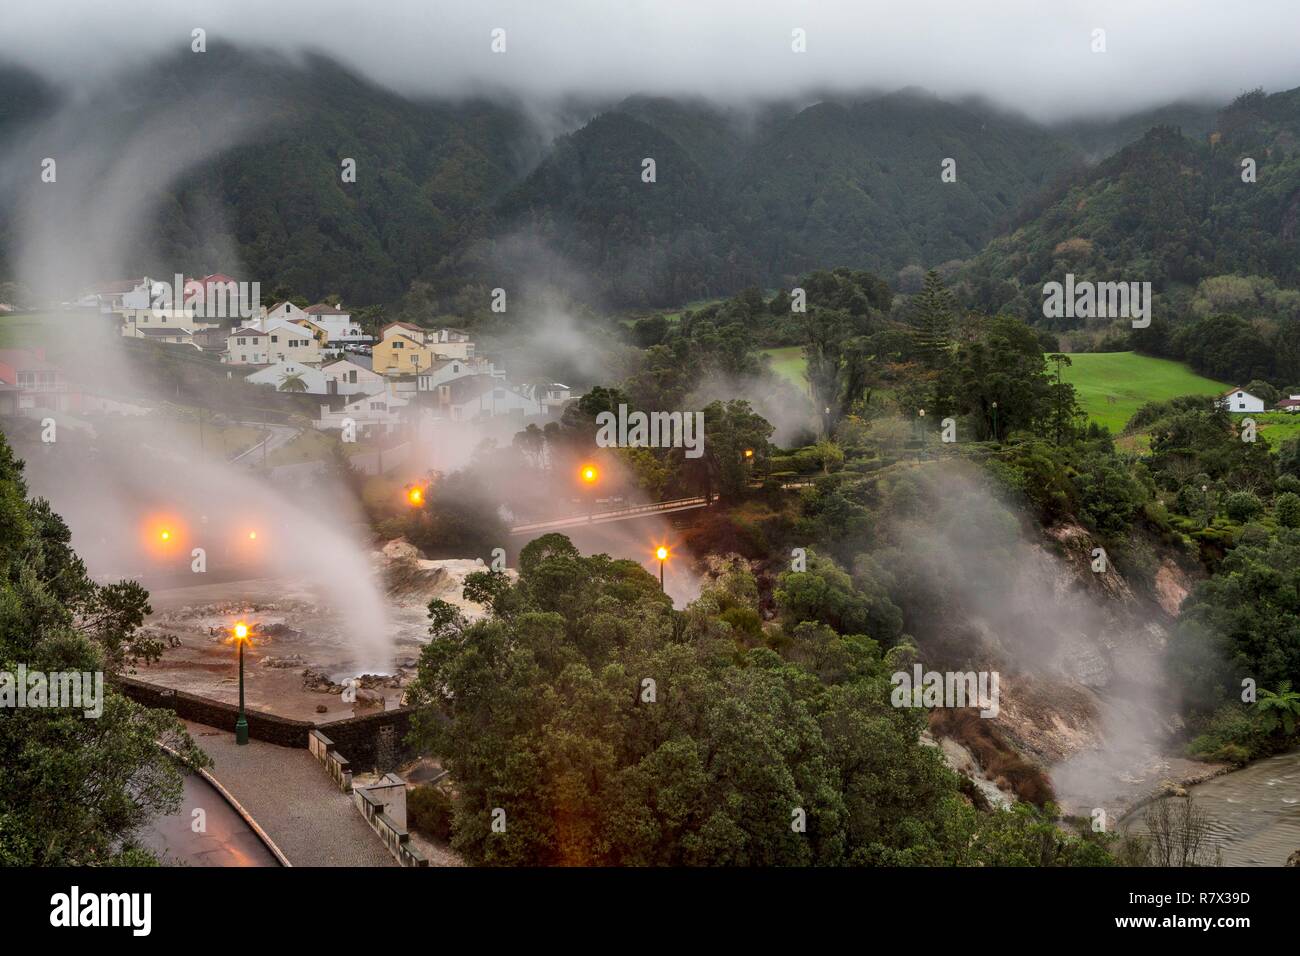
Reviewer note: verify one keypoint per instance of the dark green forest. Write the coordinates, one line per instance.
(467, 195)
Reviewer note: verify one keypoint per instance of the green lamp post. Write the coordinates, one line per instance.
(241, 724)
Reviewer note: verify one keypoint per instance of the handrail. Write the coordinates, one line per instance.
(677, 504)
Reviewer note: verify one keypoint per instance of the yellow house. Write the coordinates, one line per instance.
(402, 350)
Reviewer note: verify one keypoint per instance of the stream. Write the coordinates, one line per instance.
(1254, 812)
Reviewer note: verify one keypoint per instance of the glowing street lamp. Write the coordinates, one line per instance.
(662, 554)
(240, 632)
(589, 474)
(415, 496)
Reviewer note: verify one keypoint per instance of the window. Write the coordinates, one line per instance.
(398, 345)
(241, 341)
(1241, 405)
(275, 338)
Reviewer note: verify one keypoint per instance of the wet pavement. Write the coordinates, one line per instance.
(214, 836)
(293, 799)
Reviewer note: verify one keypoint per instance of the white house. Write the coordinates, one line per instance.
(275, 375)
(381, 412)
(1237, 400)
(451, 343)
(118, 294)
(338, 324)
(285, 312)
(447, 370)
(172, 336)
(135, 321)
(246, 346)
(552, 396)
(1289, 404)
(482, 396)
(352, 376)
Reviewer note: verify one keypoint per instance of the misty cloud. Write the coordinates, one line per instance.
(1027, 54)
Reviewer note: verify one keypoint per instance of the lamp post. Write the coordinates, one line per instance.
(995, 421)
(662, 554)
(589, 476)
(241, 723)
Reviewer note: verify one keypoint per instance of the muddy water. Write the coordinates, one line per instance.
(1255, 811)
(305, 632)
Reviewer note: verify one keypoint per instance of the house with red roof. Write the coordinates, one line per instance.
(35, 384)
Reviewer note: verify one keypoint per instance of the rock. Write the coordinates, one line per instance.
(371, 681)
(1293, 859)
(369, 698)
(322, 709)
(318, 682)
(293, 660)
(1169, 788)
(399, 549)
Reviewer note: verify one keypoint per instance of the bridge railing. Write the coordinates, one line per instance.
(616, 514)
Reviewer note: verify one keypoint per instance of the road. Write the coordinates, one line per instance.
(226, 840)
(280, 435)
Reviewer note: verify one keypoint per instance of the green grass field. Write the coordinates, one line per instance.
(790, 364)
(22, 330)
(1113, 385)
(1277, 427)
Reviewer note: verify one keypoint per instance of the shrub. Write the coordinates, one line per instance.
(1253, 536)
(1242, 506)
(1287, 507)
(428, 811)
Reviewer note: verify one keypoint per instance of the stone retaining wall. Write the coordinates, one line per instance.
(366, 741)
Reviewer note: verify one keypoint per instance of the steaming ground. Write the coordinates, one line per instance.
(1079, 652)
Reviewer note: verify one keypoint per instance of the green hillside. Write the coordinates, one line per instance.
(1171, 209)
(1113, 385)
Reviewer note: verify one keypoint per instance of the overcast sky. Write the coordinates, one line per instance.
(1034, 55)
